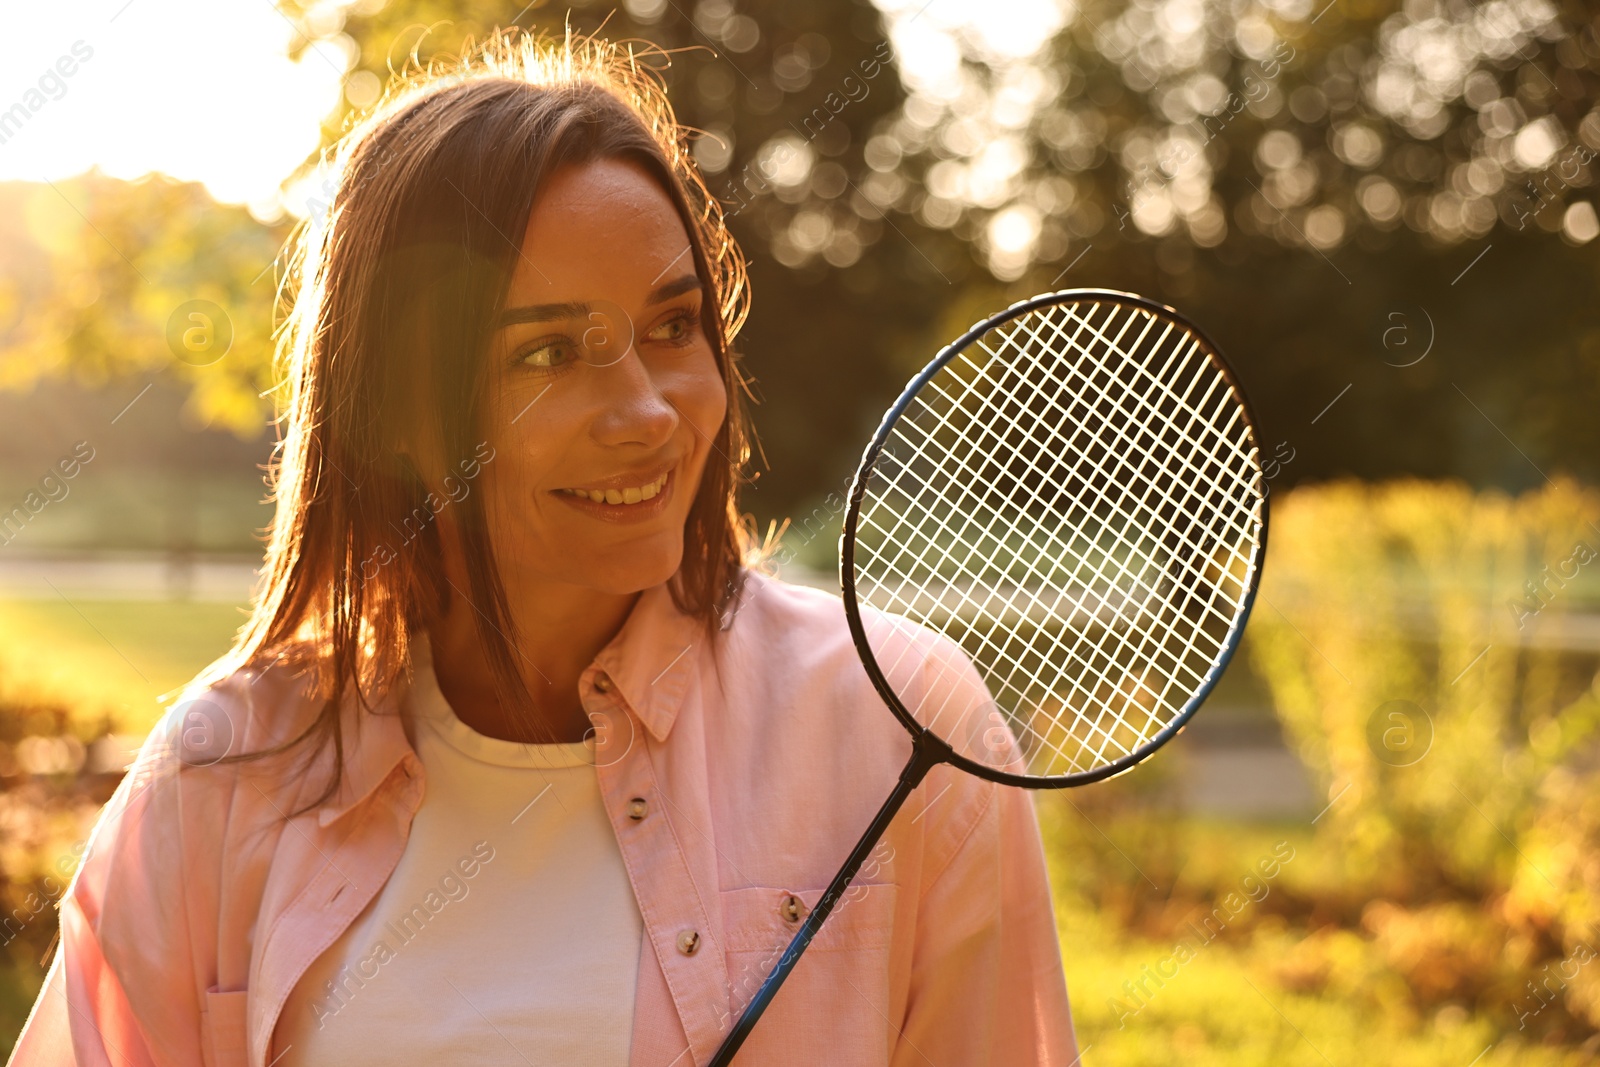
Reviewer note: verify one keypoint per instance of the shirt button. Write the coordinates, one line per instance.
(790, 909)
(637, 807)
(689, 942)
(602, 682)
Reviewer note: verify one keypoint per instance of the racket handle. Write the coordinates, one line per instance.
(927, 751)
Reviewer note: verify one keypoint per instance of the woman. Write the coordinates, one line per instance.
(517, 761)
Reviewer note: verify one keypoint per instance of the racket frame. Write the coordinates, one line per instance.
(863, 476)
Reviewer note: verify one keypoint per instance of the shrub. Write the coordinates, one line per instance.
(1421, 643)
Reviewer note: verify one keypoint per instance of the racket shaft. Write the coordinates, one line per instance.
(925, 754)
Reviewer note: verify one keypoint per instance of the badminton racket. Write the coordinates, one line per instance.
(1052, 544)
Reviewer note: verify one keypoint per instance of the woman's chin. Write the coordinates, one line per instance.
(634, 574)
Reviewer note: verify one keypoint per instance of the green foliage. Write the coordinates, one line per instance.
(1281, 983)
(1311, 125)
(102, 269)
(1197, 162)
(1472, 796)
(1419, 592)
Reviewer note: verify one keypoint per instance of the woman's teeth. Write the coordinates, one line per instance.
(630, 495)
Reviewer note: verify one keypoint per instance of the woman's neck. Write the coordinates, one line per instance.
(561, 629)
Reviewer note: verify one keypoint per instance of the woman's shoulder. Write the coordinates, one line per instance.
(805, 622)
(802, 601)
(177, 794)
(236, 708)
(263, 703)
(229, 710)
(187, 810)
(797, 650)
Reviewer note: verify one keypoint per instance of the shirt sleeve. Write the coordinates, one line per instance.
(82, 1016)
(46, 1037)
(119, 992)
(987, 985)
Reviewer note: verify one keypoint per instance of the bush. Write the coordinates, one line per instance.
(1418, 640)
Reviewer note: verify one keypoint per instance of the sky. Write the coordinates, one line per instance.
(202, 90)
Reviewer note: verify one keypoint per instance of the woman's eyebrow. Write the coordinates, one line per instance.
(541, 313)
(566, 311)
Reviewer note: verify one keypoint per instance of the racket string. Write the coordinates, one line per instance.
(1000, 653)
(991, 523)
(1077, 471)
(1088, 662)
(1108, 477)
(947, 659)
(1193, 411)
(958, 546)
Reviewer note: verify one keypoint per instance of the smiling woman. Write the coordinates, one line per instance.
(576, 665)
(608, 396)
(426, 325)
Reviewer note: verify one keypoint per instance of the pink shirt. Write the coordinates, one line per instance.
(735, 777)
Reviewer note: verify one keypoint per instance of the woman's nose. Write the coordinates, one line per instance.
(635, 409)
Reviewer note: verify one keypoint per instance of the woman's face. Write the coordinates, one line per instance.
(605, 395)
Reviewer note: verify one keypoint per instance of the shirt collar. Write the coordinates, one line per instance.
(650, 662)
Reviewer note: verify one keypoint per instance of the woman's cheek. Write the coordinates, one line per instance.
(710, 397)
(513, 481)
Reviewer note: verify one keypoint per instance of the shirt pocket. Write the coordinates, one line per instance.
(834, 1006)
(222, 1028)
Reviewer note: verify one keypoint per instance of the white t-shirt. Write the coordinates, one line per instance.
(508, 932)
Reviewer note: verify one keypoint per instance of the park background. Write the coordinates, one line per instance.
(1384, 213)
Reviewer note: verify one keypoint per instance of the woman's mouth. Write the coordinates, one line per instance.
(619, 502)
(625, 496)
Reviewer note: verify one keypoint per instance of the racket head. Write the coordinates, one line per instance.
(1032, 406)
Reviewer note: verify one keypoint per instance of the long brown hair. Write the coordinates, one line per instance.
(390, 303)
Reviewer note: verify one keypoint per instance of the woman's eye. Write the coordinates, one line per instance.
(676, 329)
(549, 355)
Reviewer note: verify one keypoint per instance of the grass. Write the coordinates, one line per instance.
(1243, 999)
(108, 658)
(1225, 1008)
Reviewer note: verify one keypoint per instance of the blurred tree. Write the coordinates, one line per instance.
(1350, 159)
(1371, 204)
(108, 279)
(1315, 123)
